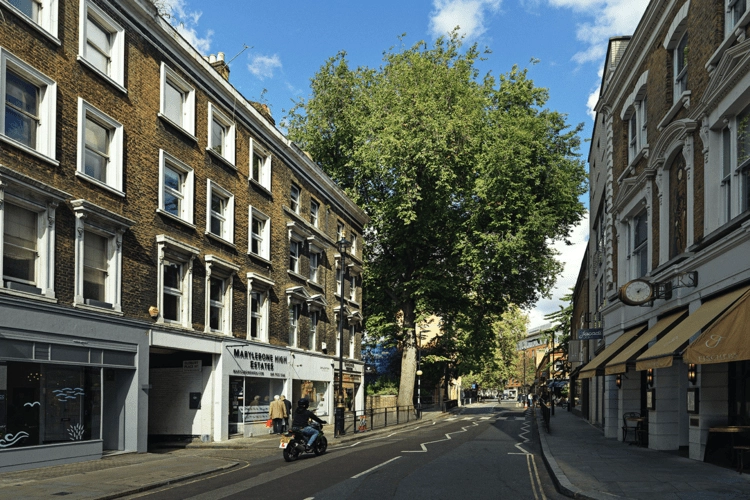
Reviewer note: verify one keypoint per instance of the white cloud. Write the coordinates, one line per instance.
(591, 102)
(468, 15)
(608, 18)
(263, 66)
(186, 23)
(570, 256)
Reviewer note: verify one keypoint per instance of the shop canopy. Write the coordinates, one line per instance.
(596, 364)
(661, 354)
(619, 364)
(726, 339)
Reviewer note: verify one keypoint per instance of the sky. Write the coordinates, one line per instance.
(275, 48)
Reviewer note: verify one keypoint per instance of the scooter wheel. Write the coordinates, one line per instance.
(321, 446)
(291, 453)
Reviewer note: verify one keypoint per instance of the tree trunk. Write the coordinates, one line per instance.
(408, 358)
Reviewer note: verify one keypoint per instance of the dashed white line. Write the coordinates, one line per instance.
(376, 467)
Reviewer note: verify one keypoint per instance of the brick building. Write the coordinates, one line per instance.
(169, 258)
(668, 272)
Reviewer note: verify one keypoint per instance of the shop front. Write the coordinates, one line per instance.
(312, 377)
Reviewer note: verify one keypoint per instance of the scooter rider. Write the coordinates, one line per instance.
(301, 419)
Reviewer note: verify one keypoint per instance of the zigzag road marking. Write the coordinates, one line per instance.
(447, 438)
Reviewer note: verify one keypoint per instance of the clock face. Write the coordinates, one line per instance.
(637, 292)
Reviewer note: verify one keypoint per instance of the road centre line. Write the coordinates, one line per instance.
(447, 438)
(376, 467)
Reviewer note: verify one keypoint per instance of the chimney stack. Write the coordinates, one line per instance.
(217, 63)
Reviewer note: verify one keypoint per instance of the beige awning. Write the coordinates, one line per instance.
(619, 364)
(726, 339)
(661, 354)
(590, 369)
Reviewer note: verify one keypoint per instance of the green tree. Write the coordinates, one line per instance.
(562, 321)
(468, 181)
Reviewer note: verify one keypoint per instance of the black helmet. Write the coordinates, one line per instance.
(303, 403)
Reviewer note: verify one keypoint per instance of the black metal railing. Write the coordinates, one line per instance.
(545, 415)
(378, 418)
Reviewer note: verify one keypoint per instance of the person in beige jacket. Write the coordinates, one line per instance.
(277, 413)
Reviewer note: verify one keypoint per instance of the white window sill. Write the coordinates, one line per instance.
(315, 284)
(175, 324)
(28, 295)
(643, 153)
(175, 218)
(99, 183)
(259, 257)
(104, 310)
(266, 190)
(49, 36)
(219, 239)
(178, 127)
(221, 158)
(106, 77)
(682, 102)
(296, 275)
(29, 150)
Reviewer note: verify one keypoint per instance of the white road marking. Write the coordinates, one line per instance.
(447, 438)
(376, 467)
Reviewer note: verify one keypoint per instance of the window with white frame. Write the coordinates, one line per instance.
(28, 115)
(352, 287)
(177, 100)
(102, 43)
(260, 234)
(27, 234)
(260, 165)
(294, 314)
(220, 219)
(294, 252)
(100, 147)
(726, 174)
(742, 167)
(174, 281)
(313, 337)
(339, 280)
(339, 231)
(314, 209)
(176, 181)
(639, 245)
(352, 338)
(258, 304)
(294, 198)
(680, 66)
(314, 265)
(98, 256)
(219, 285)
(355, 244)
(735, 9)
(221, 134)
(42, 13)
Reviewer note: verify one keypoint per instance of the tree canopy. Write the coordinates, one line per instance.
(468, 180)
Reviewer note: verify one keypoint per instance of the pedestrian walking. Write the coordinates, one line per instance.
(288, 406)
(277, 413)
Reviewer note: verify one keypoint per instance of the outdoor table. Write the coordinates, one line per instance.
(639, 430)
(732, 430)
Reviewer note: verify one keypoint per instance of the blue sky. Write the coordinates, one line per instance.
(288, 40)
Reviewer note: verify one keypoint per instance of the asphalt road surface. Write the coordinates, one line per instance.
(488, 451)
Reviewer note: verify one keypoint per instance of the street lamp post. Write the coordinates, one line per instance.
(342, 245)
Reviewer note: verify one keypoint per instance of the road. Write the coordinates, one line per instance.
(486, 452)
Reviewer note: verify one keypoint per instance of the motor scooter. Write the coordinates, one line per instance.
(294, 443)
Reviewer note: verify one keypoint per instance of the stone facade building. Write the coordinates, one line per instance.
(169, 258)
(670, 192)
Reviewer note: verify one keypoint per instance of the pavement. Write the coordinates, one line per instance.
(125, 474)
(586, 465)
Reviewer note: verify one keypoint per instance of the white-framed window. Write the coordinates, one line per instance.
(260, 165)
(680, 66)
(726, 174)
(355, 244)
(313, 337)
(339, 231)
(314, 210)
(352, 339)
(42, 14)
(174, 281)
(219, 286)
(314, 265)
(98, 256)
(742, 164)
(258, 304)
(177, 100)
(294, 314)
(102, 43)
(294, 252)
(100, 148)
(221, 134)
(176, 188)
(294, 198)
(220, 212)
(639, 245)
(28, 116)
(352, 287)
(339, 280)
(735, 9)
(260, 234)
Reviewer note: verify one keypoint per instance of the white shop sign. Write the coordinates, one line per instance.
(255, 361)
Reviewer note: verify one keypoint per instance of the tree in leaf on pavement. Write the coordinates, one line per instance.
(468, 181)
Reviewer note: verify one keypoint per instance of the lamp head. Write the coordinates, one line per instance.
(343, 245)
